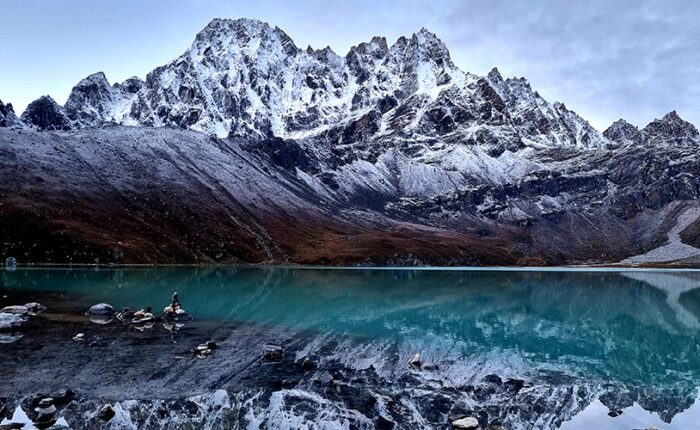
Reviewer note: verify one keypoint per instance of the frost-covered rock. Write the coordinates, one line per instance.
(34, 308)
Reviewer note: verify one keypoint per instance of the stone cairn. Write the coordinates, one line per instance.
(175, 313)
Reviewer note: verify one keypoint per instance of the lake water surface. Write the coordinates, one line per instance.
(525, 349)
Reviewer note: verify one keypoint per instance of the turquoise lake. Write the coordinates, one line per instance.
(606, 342)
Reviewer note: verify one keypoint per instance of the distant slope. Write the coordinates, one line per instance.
(145, 195)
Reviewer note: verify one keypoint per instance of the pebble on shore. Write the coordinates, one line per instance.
(466, 423)
(174, 311)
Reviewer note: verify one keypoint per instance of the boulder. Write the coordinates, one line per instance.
(95, 340)
(63, 397)
(101, 310)
(10, 337)
(35, 308)
(10, 263)
(46, 413)
(272, 352)
(126, 315)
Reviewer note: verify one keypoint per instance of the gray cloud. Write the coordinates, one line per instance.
(604, 59)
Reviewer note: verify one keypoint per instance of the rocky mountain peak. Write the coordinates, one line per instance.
(88, 98)
(8, 118)
(495, 76)
(671, 129)
(131, 85)
(45, 114)
(427, 46)
(624, 133)
(222, 35)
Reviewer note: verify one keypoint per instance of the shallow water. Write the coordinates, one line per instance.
(574, 344)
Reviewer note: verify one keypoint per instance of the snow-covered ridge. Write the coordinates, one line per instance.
(246, 79)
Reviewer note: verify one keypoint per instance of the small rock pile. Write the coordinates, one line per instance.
(173, 315)
(174, 312)
(46, 413)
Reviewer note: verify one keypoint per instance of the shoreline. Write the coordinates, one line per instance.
(576, 268)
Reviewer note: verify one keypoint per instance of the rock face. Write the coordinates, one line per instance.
(671, 129)
(45, 114)
(247, 148)
(624, 133)
(8, 117)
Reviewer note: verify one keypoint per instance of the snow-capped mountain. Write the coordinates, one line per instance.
(243, 78)
(388, 155)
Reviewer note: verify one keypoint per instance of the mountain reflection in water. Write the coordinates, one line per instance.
(605, 340)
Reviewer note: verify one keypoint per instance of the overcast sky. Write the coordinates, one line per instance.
(604, 59)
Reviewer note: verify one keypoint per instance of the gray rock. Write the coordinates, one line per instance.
(10, 337)
(307, 364)
(101, 310)
(35, 308)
